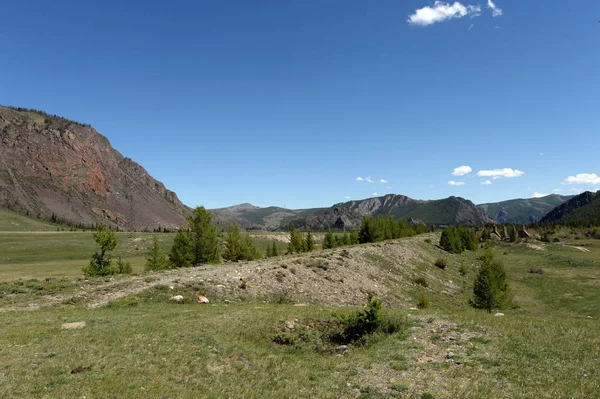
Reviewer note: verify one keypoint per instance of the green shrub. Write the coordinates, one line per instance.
(462, 269)
(101, 262)
(423, 302)
(363, 322)
(123, 267)
(421, 281)
(536, 270)
(441, 263)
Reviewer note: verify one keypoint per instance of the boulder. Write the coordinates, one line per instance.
(202, 299)
(73, 326)
(176, 298)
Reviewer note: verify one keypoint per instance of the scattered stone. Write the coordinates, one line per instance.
(449, 355)
(499, 314)
(176, 298)
(74, 326)
(342, 349)
(202, 299)
(290, 325)
(301, 304)
(226, 301)
(171, 287)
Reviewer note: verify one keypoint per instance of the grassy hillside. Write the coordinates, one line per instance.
(523, 210)
(546, 347)
(11, 221)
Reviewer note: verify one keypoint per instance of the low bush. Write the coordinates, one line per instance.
(536, 270)
(422, 282)
(423, 301)
(441, 263)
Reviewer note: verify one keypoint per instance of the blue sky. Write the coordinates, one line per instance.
(288, 102)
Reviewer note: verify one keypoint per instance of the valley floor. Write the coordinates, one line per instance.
(138, 343)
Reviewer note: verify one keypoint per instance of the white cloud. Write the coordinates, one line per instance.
(557, 190)
(538, 195)
(486, 182)
(374, 194)
(368, 179)
(388, 187)
(471, 26)
(441, 12)
(583, 178)
(498, 173)
(461, 171)
(383, 181)
(456, 183)
(347, 197)
(496, 12)
(359, 179)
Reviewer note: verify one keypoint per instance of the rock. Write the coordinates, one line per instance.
(499, 314)
(290, 325)
(176, 298)
(202, 299)
(74, 326)
(300, 304)
(342, 349)
(449, 355)
(523, 233)
(220, 287)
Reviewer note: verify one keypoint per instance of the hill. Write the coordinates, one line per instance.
(12, 221)
(53, 166)
(583, 209)
(523, 210)
(348, 215)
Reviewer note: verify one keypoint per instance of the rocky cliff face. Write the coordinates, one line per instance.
(583, 208)
(49, 165)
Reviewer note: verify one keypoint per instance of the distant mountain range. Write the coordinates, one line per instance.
(582, 209)
(348, 215)
(524, 210)
(50, 166)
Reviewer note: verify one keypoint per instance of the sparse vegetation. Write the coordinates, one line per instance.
(239, 246)
(441, 263)
(157, 259)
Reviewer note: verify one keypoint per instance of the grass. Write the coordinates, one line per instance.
(144, 346)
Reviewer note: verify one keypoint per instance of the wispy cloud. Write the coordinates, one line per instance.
(538, 195)
(347, 197)
(383, 181)
(471, 26)
(456, 183)
(496, 12)
(486, 182)
(359, 178)
(441, 12)
(583, 178)
(374, 194)
(557, 190)
(498, 173)
(389, 187)
(461, 171)
(368, 179)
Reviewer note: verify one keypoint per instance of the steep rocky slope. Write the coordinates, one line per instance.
(582, 209)
(53, 166)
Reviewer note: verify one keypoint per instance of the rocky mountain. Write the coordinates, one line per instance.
(348, 215)
(582, 209)
(52, 166)
(524, 210)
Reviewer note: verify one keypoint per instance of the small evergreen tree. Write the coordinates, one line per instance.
(233, 244)
(205, 242)
(101, 262)
(157, 259)
(328, 241)
(450, 240)
(274, 250)
(181, 251)
(297, 243)
(490, 289)
(368, 230)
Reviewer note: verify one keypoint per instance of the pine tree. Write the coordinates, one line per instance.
(274, 251)
(101, 262)
(297, 243)
(233, 244)
(205, 242)
(156, 260)
(354, 237)
(490, 289)
(328, 241)
(181, 251)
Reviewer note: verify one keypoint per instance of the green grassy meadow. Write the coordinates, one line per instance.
(142, 346)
